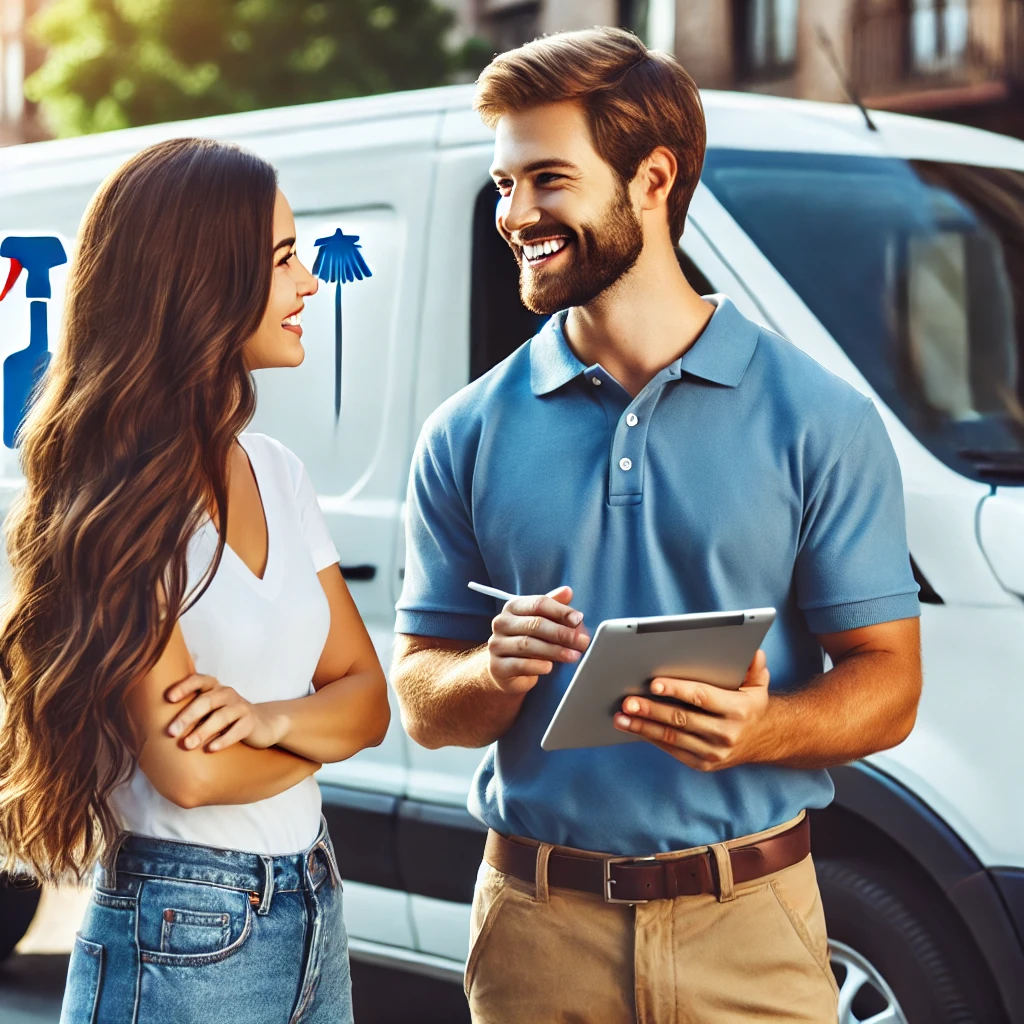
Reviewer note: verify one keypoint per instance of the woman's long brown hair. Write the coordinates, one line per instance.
(125, 452)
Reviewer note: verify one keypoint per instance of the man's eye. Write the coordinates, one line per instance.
(550, 176)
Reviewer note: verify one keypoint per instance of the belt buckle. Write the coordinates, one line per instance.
(609, 881)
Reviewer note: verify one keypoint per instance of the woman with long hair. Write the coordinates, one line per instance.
(179, 652)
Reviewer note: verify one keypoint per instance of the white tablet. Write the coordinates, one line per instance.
(626, 654)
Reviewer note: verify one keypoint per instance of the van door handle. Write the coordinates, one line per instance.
(359, 572)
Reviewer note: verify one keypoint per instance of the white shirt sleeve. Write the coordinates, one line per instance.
(314, 526)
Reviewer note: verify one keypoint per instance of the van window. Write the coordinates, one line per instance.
(499, 322)
(917, 269)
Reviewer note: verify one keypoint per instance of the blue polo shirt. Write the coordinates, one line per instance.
(743, 475)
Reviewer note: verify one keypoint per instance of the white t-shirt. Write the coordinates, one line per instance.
(263, 637)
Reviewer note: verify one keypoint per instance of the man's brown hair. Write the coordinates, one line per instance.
(635, 99)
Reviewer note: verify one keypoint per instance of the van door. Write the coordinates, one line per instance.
(901, 276)
(373, 180)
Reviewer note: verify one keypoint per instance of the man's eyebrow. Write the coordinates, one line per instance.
(284, 243)
(538, 165)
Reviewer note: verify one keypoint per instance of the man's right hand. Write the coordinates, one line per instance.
(530, 634)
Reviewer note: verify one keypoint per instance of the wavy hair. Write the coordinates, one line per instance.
(125, 452)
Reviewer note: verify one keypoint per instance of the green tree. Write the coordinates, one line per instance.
(116, 63)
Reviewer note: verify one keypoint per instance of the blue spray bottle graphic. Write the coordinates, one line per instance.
(23, 369)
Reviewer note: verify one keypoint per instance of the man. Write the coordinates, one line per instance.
(648, 452)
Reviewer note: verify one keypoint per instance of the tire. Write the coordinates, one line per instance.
(897, 946)
(19, 899)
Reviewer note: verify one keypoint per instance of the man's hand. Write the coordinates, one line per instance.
(530, 635)
(220, 716)
(721, 730)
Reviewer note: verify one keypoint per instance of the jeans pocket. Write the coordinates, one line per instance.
(188, 924)
(189, 931)
(82, 990)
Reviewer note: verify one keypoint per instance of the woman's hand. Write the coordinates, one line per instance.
(220, 716)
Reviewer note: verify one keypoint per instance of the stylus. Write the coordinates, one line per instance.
(502, 595)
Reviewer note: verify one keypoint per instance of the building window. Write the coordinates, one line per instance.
(939, 32)
(766, 34)
(510, 23)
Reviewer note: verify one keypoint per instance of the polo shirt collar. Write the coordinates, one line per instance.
(720, 355)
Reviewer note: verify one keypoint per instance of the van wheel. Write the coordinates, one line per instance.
(18, 901)
(897, 955)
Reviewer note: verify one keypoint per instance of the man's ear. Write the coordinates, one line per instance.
(657, 173)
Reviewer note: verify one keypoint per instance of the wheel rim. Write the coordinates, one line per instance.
(864, 995)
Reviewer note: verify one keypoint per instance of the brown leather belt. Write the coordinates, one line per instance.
(641, 879)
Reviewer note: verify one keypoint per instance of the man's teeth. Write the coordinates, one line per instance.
(295, 320)
(544, 248)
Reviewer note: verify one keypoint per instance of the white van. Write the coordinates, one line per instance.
(893, 256)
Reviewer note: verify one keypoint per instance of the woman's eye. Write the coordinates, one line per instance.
(282, 262)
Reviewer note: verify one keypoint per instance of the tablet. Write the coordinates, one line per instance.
(626, 654)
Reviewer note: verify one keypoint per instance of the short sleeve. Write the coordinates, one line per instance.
(315, 531)
(442, 554)
(853, 566)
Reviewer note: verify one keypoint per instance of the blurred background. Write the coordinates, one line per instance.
(74, 66)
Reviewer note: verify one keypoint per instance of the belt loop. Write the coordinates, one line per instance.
(723, 865)
(268, 885)
(327, 846)
(541, 877)
(109, 860)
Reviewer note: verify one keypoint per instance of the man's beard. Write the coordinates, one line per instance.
(597, 258)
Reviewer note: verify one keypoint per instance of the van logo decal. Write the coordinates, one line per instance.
(35, 257)
(338, 260)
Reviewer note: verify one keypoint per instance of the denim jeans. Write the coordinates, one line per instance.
(178, 933)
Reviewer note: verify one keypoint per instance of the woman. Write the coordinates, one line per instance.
(180, 653)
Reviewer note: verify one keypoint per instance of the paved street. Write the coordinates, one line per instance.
(32, 981)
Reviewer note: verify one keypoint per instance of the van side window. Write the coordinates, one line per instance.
(499, 322)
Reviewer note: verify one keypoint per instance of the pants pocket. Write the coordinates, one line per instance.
(490, 894)
(82, 991)
(808, 922)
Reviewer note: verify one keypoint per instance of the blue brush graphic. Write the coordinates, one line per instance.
(338, 260)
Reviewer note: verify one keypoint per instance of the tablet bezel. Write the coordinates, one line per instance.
(735, 659)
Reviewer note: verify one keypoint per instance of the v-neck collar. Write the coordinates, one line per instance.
(269, 583)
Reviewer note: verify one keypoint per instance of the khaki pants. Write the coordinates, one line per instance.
(756, 953)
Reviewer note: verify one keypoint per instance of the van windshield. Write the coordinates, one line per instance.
(917, 269)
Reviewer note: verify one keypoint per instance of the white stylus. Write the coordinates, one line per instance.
(502, 595)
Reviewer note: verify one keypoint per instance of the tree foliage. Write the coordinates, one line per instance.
(115, 63)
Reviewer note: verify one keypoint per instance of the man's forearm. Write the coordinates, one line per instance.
(448, 698)
(866, 703)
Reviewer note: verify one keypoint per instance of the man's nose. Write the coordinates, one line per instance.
(516, 212)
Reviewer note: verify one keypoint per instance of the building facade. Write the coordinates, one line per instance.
(960, 60)
(19, 57)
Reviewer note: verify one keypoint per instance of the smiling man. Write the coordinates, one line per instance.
(649, 452)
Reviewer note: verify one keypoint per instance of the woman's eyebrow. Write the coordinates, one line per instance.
(284, 243)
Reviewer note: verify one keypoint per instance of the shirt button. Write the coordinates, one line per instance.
(631, 419)
(596, 380)
(626, 464)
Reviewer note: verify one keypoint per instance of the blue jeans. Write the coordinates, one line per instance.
(178, 933)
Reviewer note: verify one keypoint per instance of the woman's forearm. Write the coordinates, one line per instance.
(340, 719)
(238, 774)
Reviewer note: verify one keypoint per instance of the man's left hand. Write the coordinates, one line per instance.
(722, 729)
